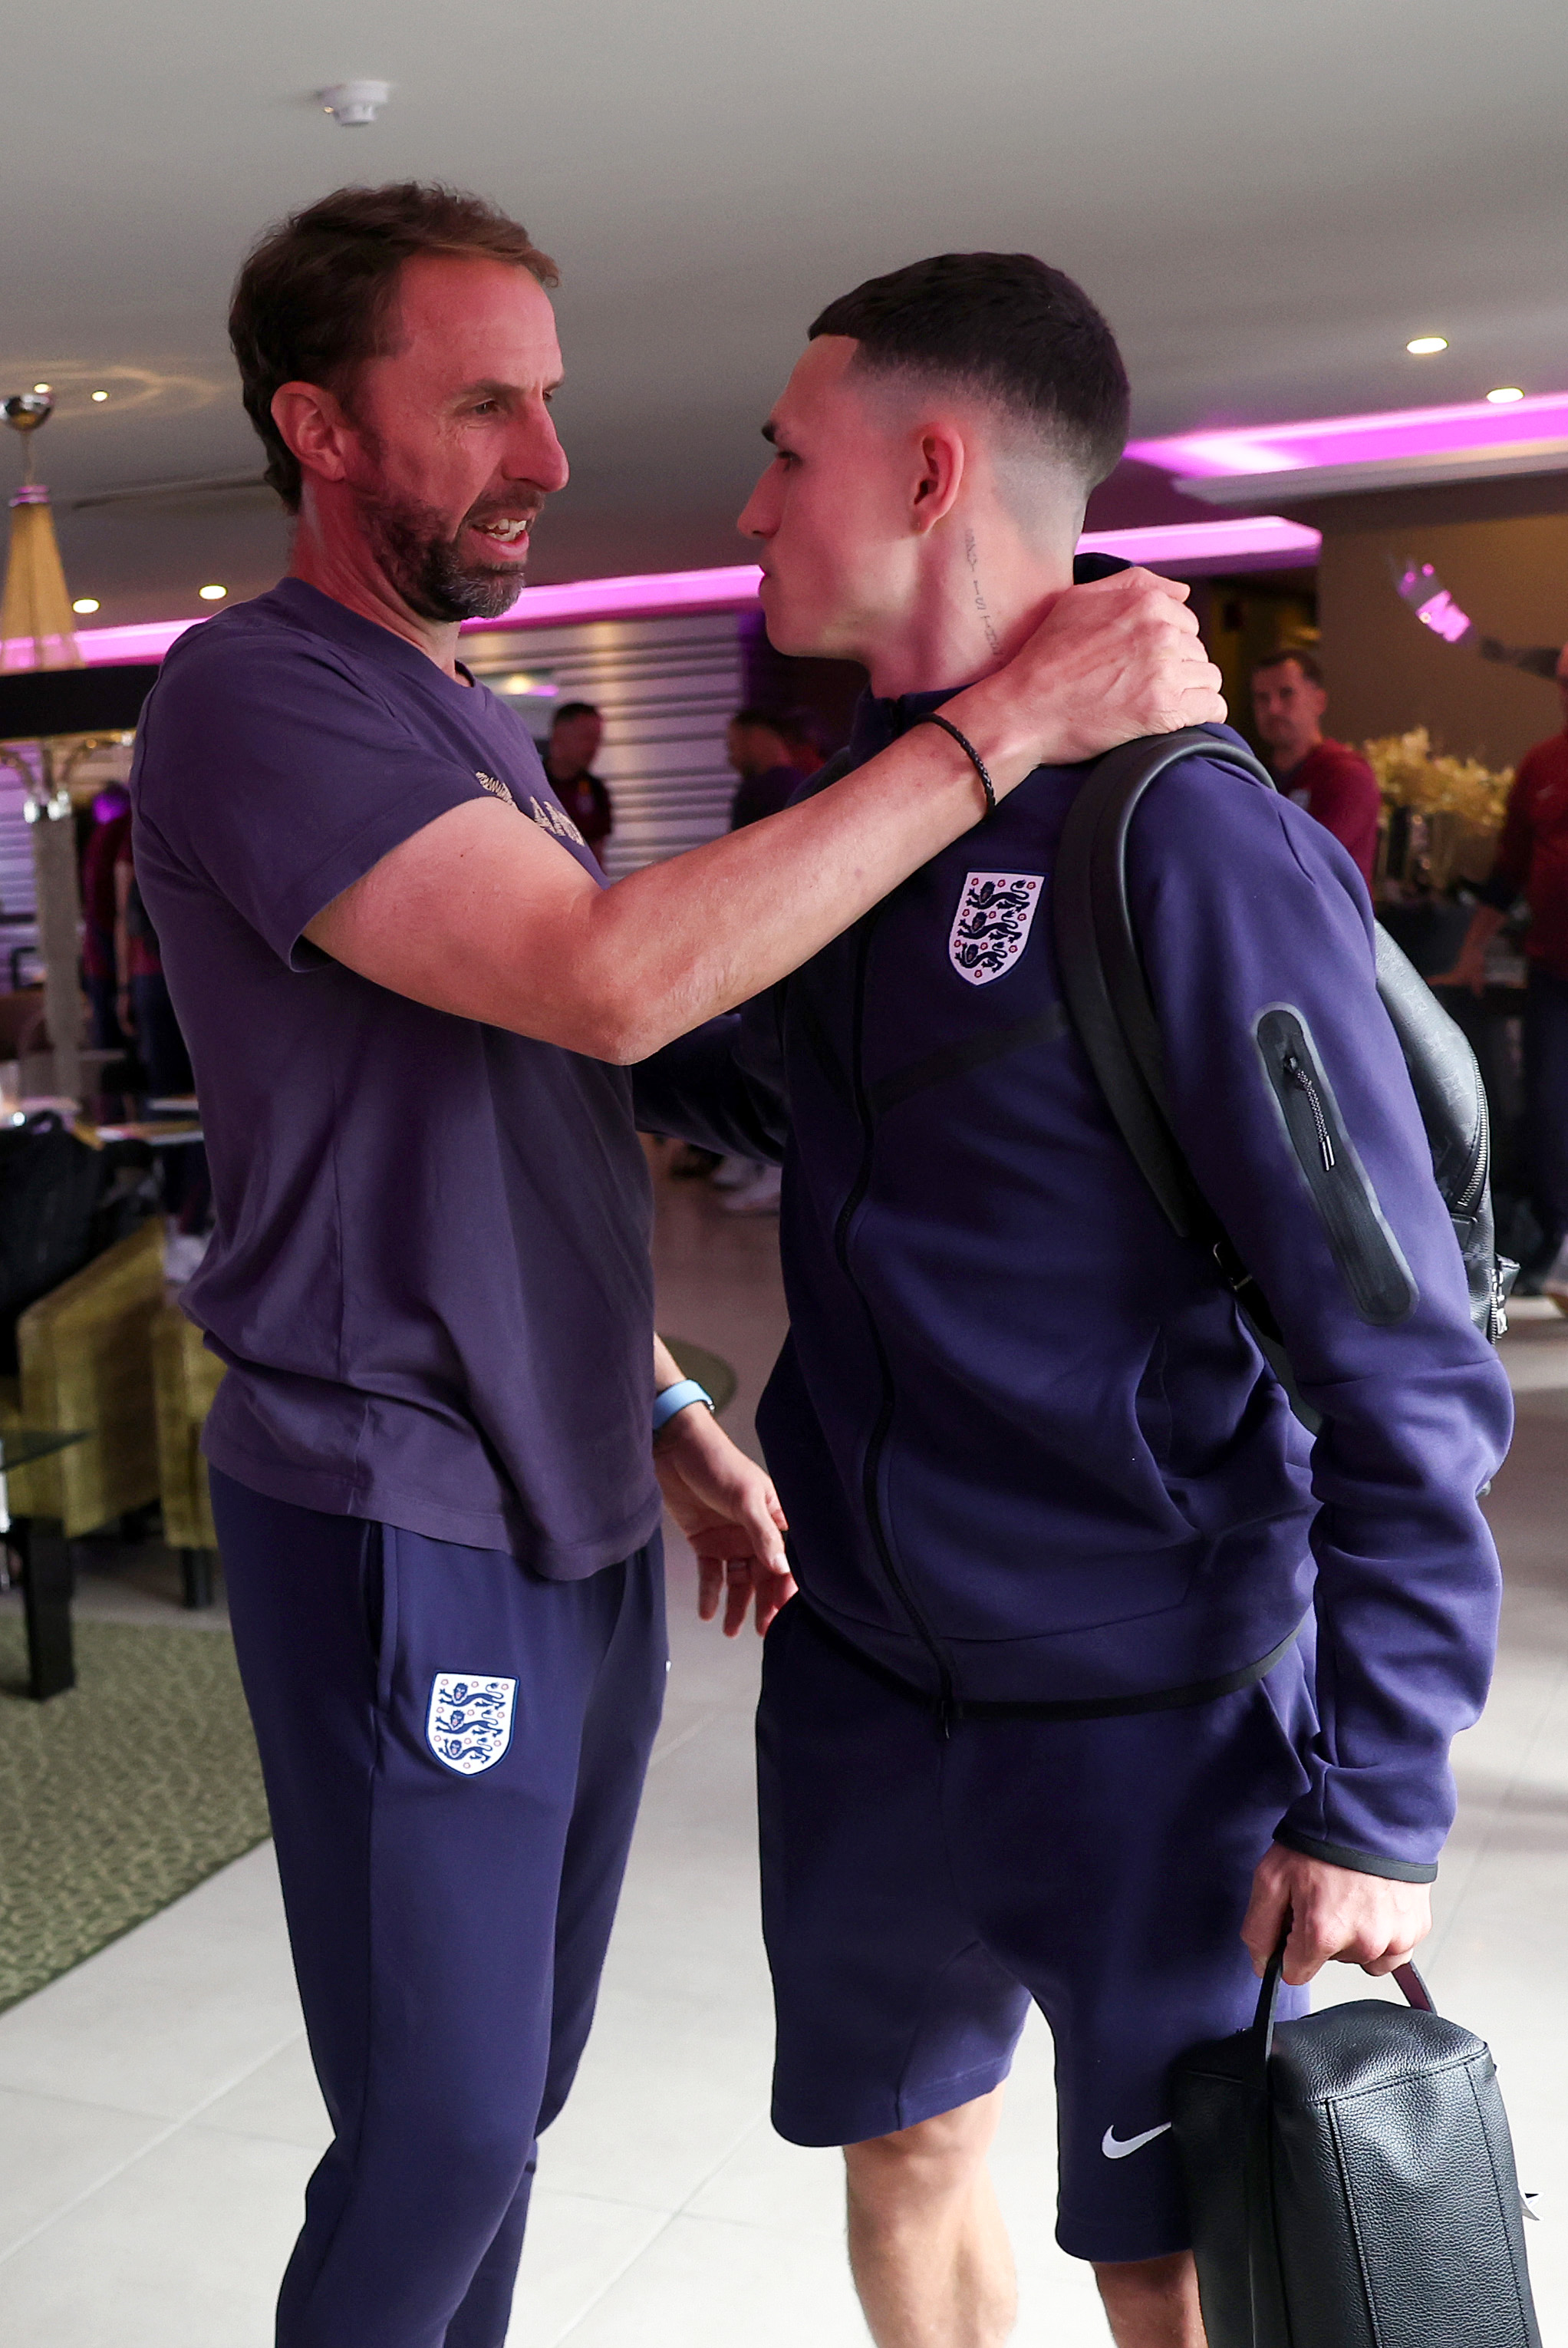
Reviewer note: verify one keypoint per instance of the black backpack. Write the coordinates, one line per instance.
(61, 1204)
(1108, 1000)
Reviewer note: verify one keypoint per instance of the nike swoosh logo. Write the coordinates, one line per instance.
(1114, 2150)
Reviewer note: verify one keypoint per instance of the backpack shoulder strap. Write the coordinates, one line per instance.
(1103, 975)
(1108, 1000)
(1112, 1012)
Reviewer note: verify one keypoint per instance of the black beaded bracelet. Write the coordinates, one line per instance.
(934, 718)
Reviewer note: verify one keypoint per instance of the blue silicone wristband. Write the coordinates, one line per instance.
(674, 1398)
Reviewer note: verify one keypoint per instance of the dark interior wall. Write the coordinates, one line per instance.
(1502, 551)
(780, 681)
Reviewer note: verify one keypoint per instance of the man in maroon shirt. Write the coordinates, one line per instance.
(1338, 789)
(576, 732)
(1532, 863)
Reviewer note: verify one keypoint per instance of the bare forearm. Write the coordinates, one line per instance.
(1470, 970)
(616, 972)
(1484, 924)
(677, 942)
(488, 918)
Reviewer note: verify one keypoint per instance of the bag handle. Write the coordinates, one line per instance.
(1270, 2317)
(1413, 1988)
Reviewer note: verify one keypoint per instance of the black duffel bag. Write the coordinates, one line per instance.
(1351, 2183)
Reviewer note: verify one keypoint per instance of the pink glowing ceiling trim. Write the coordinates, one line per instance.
(638, 596)
(1474, 429)
(1209, 545)
(147, 641)
(1179, 545)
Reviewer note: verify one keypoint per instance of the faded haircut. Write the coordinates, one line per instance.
(1002, 327)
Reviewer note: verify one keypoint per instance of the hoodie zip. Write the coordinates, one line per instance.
(877, 1442)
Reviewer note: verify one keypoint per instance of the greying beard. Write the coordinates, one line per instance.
(426, 568)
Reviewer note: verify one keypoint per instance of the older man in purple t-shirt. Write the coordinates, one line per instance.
(410, 1001)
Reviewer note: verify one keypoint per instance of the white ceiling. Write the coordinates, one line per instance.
(1268, 201)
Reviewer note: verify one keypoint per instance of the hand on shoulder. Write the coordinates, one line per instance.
(1112, 661)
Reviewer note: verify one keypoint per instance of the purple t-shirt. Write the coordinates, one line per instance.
(430, 1275)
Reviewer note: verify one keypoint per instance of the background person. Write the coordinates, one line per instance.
(772, 751)
(807, 742)
(577, 730)
(1532, 863)
(756, 749)
(1330, 780)
(410, 999)
(110, 828)
(145, 1008)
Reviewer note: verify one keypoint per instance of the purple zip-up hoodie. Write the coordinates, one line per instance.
(1027, 1448)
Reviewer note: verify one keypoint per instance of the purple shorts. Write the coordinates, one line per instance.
(919, 1890)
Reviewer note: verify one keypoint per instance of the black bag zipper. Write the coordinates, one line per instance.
(1359, 1240)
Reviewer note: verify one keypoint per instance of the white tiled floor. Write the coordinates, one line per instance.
(158, 2117)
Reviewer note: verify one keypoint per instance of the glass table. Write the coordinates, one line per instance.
(40, 1542)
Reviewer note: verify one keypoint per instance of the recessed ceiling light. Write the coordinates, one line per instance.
(85, 604)
(1505, 396)
(1425, 346)
(44, 388)
(100, 395)
(213, 594)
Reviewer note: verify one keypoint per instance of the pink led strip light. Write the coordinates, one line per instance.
(645, 594)
(1477, 431)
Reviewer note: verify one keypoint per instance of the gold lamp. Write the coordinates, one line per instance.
(36, 629)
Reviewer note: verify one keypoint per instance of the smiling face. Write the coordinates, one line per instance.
(831, 513)
(450, 451)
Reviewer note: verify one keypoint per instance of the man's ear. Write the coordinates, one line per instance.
(315, 428)
(939, 477)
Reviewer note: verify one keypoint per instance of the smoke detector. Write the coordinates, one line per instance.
(352, 104)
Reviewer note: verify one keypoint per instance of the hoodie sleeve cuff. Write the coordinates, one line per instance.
(1361, 1862)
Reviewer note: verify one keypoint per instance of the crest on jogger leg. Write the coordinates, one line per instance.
(470, 1720)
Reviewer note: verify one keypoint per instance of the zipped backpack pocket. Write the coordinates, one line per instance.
(1364, 1248)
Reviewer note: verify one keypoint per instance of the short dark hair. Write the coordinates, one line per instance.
(574, 709)
(314, 298)
(754, 713)
(1309, 664)
(1006, 328)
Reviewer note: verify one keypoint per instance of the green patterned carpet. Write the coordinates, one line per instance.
(119, 1795)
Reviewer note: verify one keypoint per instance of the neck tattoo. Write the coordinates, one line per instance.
(972, 551)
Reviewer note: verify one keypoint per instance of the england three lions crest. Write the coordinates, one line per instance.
(470, 1722)
(991, 928)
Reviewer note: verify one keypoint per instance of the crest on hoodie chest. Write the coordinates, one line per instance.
(991, 926)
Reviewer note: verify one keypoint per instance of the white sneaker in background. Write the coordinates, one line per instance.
(1555, 1284)
(734, 1173)
(760, 1197)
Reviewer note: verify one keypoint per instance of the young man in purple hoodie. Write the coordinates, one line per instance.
(1100, 1669)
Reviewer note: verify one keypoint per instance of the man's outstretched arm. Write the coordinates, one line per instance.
(483, 915)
